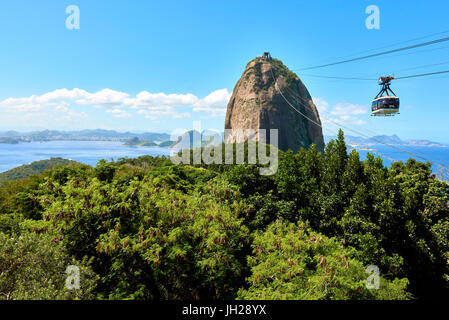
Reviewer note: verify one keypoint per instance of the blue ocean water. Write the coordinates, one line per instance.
(88, 152)
(438, 156)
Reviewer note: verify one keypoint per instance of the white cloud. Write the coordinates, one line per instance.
(148, 99)
(217, 99)
(63, 94)
(154, 114)
(117, 103)
(321, 104)
(104, 98)
(344, 108)
(215, 103)
(62, 104)
(340, 114)
(119, 113)
(158, 104)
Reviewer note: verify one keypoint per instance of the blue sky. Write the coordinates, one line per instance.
(160, 65)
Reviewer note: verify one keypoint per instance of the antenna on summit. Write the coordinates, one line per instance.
(266, 56)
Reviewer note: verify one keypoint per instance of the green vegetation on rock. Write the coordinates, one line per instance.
(36, 167)
(136, 142)
(166, 144)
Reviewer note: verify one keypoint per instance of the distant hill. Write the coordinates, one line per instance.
(36, 167)
(191, 139)
(425, 143)
(166, 144)
(392, 140)
(136, 142)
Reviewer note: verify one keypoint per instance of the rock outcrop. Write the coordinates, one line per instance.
(257, 103)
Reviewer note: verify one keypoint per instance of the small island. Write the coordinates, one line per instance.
(166, 144)
(136, 142)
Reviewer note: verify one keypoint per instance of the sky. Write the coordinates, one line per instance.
(157, 66)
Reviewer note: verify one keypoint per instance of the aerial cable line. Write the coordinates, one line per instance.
(406, 54)
(413, 52)
(422, 75)
(376, 152)
(398, 55)
(336, 77)
(311, 120)
(314, 122)
(378, 54)
(440, 164)
(363, 78)
(396, 78)
(414, 68)
(391, 45)
(288, 102)
(364, 135)
(371, 138)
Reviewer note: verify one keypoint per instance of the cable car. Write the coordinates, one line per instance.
(386, 103)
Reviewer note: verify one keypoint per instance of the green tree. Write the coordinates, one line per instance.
(151, 240)
(293, 262)
(32, 267)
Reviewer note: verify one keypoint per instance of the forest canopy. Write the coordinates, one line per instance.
(148, 229)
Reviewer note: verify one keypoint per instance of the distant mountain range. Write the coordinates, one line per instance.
(385, 139)
(13, 137)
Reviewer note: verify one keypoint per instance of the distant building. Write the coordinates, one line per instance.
(266, 56)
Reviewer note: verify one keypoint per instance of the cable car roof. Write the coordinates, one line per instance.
(386, 97)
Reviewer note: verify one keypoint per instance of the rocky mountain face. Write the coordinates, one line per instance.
(257, 103)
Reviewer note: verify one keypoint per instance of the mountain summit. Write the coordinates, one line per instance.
(256, 103)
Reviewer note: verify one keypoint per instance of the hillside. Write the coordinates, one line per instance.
(36, 167)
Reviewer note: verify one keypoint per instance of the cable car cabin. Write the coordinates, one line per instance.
(385, 106)
(385, 103)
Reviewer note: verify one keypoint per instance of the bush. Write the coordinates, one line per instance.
(33, 267)
(293, 262)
